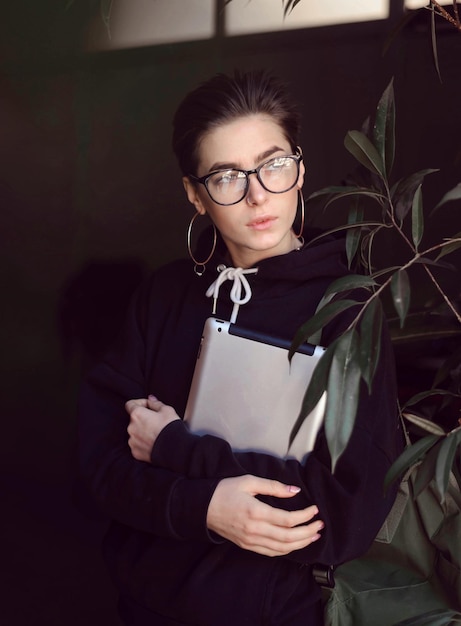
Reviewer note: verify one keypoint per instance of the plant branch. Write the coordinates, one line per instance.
(398, 228)
(415, 259)
(417, 256)
(439, 246)
(373, 296)
(455, 10)
(442, 293)
(444, 13)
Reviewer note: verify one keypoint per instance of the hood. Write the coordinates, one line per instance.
(318, 262)
(323, 258)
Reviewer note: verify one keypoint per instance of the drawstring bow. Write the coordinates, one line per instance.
(237, 275)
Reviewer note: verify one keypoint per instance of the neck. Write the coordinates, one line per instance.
(298, 242)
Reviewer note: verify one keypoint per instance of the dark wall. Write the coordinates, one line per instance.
(91, 199)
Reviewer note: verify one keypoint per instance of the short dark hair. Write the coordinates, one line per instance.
(224, 98)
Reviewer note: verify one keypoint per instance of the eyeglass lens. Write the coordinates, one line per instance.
(276, 175)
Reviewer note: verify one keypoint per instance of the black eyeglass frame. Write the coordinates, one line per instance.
(203, 180)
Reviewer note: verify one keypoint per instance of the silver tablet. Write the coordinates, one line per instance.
(245, 391)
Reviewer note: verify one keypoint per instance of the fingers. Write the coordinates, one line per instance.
(148, 417)
(154, 404)
(151, 403)
(274, 488)
(131, 405)
(268, 487)
(284, 526)
(281, 543)
(266, 538)
(237, 515)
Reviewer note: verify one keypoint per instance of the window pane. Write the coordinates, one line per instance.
(252, 16)
(418, 4)
(136, 23)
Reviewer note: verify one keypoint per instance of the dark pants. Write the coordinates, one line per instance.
(134, 615)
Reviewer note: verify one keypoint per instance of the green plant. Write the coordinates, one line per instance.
(353, 355)
(436, 9)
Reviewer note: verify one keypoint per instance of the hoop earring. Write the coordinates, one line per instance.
(301, 202)
(200, 266)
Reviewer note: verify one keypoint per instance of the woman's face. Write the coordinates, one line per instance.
(259, 226)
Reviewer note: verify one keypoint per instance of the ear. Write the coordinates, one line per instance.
(302, 170)
(193, 195)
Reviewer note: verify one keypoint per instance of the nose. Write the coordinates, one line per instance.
(256, 193)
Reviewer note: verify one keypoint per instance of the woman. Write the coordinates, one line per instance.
(196, 524)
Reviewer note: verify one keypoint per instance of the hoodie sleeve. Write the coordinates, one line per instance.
(151, 499)
(350, 501)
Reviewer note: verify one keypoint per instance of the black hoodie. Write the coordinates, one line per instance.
(168, 567)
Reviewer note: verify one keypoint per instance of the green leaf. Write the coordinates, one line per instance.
(346, 227)
(290, 5)
(424, 424)
(370, 340)
(354, 234)
(342, 395)
(427, 394)
(445, 461)
(404, 191)
(384, 128)
(453, 194)
(317, 386)
(411, 455)
(106, 8)
(407, 17)
(318, 321)
(400, 289)
(337, 193)
(335, 189)
(450, 245)
(434, 43)
(437, 617)
(447, 367)
(351, 281)
(424, 260)
(403, 336)
(386, 270)
(417, 218)
(426, 471)
(364, 151)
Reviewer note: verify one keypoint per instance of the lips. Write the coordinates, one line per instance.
(261, 223)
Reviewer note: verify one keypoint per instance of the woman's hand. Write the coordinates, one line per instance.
(148, 417)
(235, 513)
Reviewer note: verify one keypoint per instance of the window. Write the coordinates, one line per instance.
(418, 4)
(135, 23)
(252, 16)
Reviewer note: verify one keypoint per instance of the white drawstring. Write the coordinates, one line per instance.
(237, 274)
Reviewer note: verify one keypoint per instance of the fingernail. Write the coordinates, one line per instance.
(151, 397)
(316, 537)
(321, 526)
(293, 489)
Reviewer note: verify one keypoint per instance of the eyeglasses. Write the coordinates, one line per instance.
(230, 186)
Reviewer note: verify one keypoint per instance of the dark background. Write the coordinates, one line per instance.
(91, 199)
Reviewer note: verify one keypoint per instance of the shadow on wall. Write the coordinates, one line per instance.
(93, 305)
(52, 571)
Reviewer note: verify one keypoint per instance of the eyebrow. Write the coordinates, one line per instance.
(261, 157)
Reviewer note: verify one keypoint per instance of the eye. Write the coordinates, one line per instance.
(279, 164)
(226, 177)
